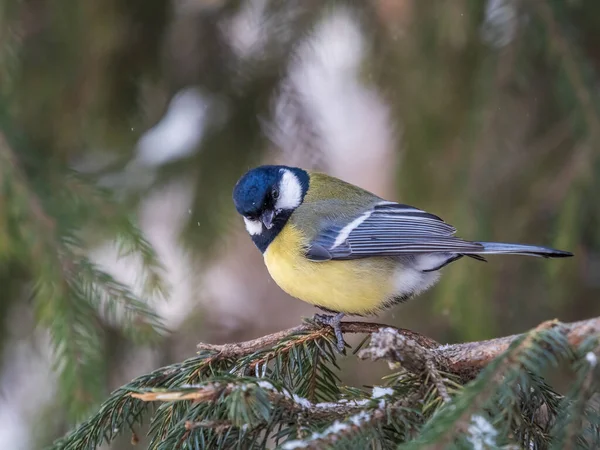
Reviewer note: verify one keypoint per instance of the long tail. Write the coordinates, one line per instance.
(520, 249)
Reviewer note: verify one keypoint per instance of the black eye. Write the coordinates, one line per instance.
(275, 194)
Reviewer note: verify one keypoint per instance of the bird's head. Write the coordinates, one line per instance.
(267, 195)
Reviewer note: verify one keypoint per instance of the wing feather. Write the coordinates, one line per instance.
(388, 229)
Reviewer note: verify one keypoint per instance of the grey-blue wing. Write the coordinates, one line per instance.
(388, 229)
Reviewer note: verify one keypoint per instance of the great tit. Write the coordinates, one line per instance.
(346, 250)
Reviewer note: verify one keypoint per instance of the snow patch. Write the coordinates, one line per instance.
(337, 427)
(301, 401)
(482, 433)
(388, 330)
(360, 418)
(344, 402)
(265, 385)
(379, 391)
(592, 359)
(293, 445)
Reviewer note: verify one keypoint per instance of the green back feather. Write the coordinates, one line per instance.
(329, 201)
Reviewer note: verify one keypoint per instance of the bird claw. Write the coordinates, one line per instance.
(333, 322)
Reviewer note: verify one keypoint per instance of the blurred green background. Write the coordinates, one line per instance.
(482, 112)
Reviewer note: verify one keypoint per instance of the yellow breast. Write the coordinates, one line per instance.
(359, 286)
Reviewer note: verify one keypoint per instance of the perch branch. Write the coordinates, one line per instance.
(465, 360)
(388, 344)
(468, 359)
(238, 349)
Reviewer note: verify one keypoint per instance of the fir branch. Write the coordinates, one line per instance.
(566, 53)
(352, 426)
(468, 359)
(118, 304)
(212, 391)
(59, 301)
(218, 425)
(131, 242)
(245, 404)
(92, 203)
(465, 359)
(354, 415)
(582, 160)
(214, 387)
(526, 410)
(455, 418)
(71, 295)
(388, 344)
(438, 380)
(239, 349)
(575, 404)
(120, 412)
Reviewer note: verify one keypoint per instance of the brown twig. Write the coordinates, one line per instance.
(211, 392)
(468, 359)
(238, 349)
(437, 379)
(388, 344)
(218, 425)
(465, 360)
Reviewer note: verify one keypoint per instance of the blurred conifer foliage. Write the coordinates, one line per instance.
(497, 102)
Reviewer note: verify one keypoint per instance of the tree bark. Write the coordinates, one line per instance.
(465, 360)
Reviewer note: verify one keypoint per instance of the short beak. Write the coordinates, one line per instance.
(267, 218)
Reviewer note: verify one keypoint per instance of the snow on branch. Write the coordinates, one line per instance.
(412, 349)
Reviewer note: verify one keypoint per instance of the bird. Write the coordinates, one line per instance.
(346, 250)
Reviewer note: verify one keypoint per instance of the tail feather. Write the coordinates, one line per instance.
(521, 249)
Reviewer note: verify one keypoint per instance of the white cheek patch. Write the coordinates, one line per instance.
(345, 232)
(290, 191)
(254, 227)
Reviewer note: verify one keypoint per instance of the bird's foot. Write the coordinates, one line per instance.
(333, 322)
